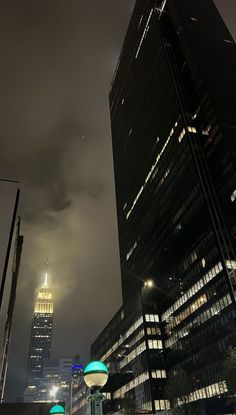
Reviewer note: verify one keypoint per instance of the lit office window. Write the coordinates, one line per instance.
(155, 344)
(161, 405)
(152, 318)
(153, 331)
(158, 374)
(130, 385)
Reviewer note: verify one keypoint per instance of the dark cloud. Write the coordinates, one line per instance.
(57, 61)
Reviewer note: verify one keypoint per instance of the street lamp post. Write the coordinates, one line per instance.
(95, 377)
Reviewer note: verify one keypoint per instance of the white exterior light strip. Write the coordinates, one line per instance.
(151, 171)
(144, 33)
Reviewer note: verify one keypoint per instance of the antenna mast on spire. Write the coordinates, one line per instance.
(46, 275)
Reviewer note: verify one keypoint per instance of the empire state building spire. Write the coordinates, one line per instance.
(40, 341)
(46, 280)
(46, 275)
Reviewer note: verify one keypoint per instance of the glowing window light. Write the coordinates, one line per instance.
(127, 334)
(233, 196)
(131, 250)
(144, 34)
(132, 384)
(215, 270)
(230, 264)
(136, 352)
(44, 295)
(182, 134)
(151, 171)
(192, 129)
(200, 319)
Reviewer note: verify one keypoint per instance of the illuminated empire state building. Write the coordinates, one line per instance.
(40, 341)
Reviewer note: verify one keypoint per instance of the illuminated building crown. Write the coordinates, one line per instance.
(44, 301)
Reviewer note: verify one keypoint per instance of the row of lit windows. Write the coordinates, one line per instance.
(183, 132)
(131, 250)
(230, 264)
(136, 352)
(132, 328)
(43, 308)
(130, 385)
(155, 344)
(199, 302)
(152, 318)
(193, 290)
(42, 335)
(44, 295)
(128, 333)
(158, 373)
(107, 395)
(153, 331)
(215, 309)
(209, 391)
(40, 328)
(135, 340)
(162, 405)
(195, 271)
(144, 34)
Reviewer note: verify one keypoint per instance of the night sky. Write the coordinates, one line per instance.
(57, 62)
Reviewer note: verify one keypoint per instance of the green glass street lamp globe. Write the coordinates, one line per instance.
(56, 410)
(95, 374)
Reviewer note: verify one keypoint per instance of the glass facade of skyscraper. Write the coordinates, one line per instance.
(173, 105)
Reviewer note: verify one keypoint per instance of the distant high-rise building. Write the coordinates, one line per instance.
(173, 105)
(40, 340)
(55, 382)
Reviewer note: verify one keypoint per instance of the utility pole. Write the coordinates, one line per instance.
(4, 275)
(10, 310)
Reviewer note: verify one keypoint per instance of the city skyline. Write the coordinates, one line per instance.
(56, 129)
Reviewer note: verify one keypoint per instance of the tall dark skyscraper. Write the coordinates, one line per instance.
(172, 112)
(173, 106)
(40, 340)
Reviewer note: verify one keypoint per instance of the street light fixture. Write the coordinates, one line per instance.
(53, 391)
(149, 283)
(96, 376)
(57, 410)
